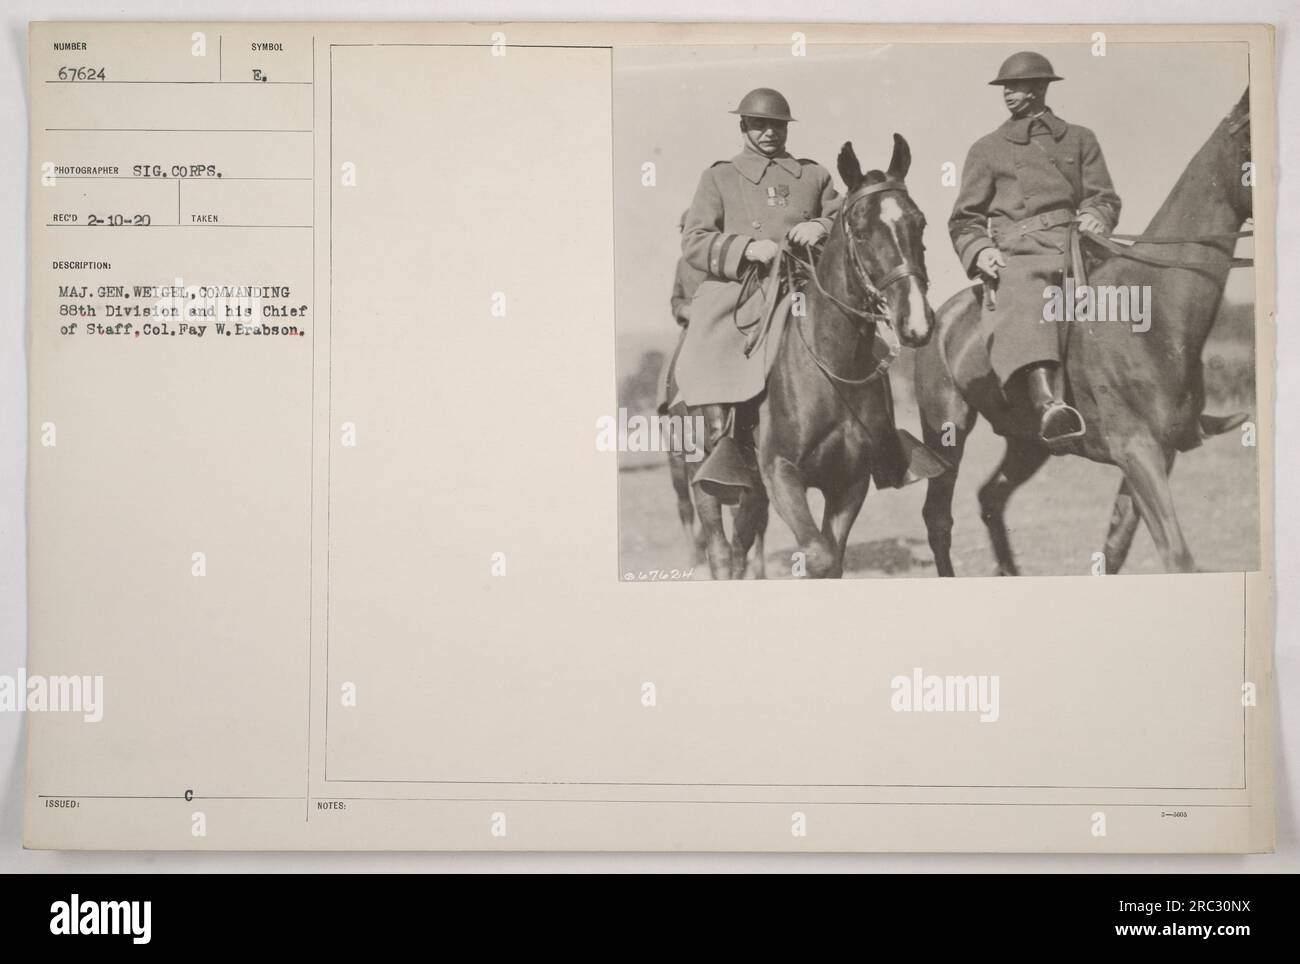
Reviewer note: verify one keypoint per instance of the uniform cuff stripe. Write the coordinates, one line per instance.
(722, 256)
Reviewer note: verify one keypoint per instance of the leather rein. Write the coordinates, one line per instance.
(1109, 243)
(873, 290)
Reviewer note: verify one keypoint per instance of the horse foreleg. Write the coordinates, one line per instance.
(752, 562)
(1123, 526)
(790, 496)
(1146, 469)
(695, 535)
(751, 515)
(758, 564)
(718, 548)
(946, 422)
(1022, 459)
(948, 437)
(842, 508)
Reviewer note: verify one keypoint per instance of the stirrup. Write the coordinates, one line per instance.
(920, 462)
(1211, 425)
(1052, 408)
(725, 474)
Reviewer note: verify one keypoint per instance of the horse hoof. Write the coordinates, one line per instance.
(819, 561)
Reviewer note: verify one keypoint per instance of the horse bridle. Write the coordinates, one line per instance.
(875, 290)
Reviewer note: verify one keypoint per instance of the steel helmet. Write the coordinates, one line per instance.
(766, 103)
(1026, 65)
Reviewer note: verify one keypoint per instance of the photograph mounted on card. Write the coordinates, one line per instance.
(1073, 318)
(380, 372)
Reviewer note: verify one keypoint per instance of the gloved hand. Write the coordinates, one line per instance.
(808, 233)
(989, 261)
(761, 251)
(1090, 222)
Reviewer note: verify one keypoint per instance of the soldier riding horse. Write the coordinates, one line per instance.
(827, 408)
(827, 419)
(1136, 396)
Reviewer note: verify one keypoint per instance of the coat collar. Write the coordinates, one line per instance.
(1016, 129)
(752, 164)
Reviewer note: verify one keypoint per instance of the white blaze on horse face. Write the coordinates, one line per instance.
(891, 212)
(916, 325)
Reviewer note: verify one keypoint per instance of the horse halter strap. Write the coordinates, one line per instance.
(904, 269)
(875, 292)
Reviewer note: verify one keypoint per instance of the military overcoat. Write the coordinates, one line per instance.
(1020, 187)
(748, 198)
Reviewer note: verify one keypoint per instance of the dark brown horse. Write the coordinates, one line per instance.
(1140, 392)
(826, 387)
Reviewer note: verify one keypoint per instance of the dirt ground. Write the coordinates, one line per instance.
(1056, 520)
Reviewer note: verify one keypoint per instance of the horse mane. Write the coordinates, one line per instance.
(1240, 114)
(1198, 176)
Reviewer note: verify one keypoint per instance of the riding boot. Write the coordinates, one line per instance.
(725, 473)
(1057, 421)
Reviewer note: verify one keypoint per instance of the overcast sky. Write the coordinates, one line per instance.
(1151, 106)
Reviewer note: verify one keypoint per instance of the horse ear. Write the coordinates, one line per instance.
(849, 167)
(902, 159)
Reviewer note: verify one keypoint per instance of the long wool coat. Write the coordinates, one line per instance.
(1026, 168)
(748, 198)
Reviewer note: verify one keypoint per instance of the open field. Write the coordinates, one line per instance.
(1057, 519)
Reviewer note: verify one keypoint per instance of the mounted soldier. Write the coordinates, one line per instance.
(743, 210)
(1022, 186)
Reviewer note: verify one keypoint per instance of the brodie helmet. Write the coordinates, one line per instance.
(1026, 65)
(766, 103)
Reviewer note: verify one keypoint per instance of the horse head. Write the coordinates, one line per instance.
(883, 231)
(1234, 132)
